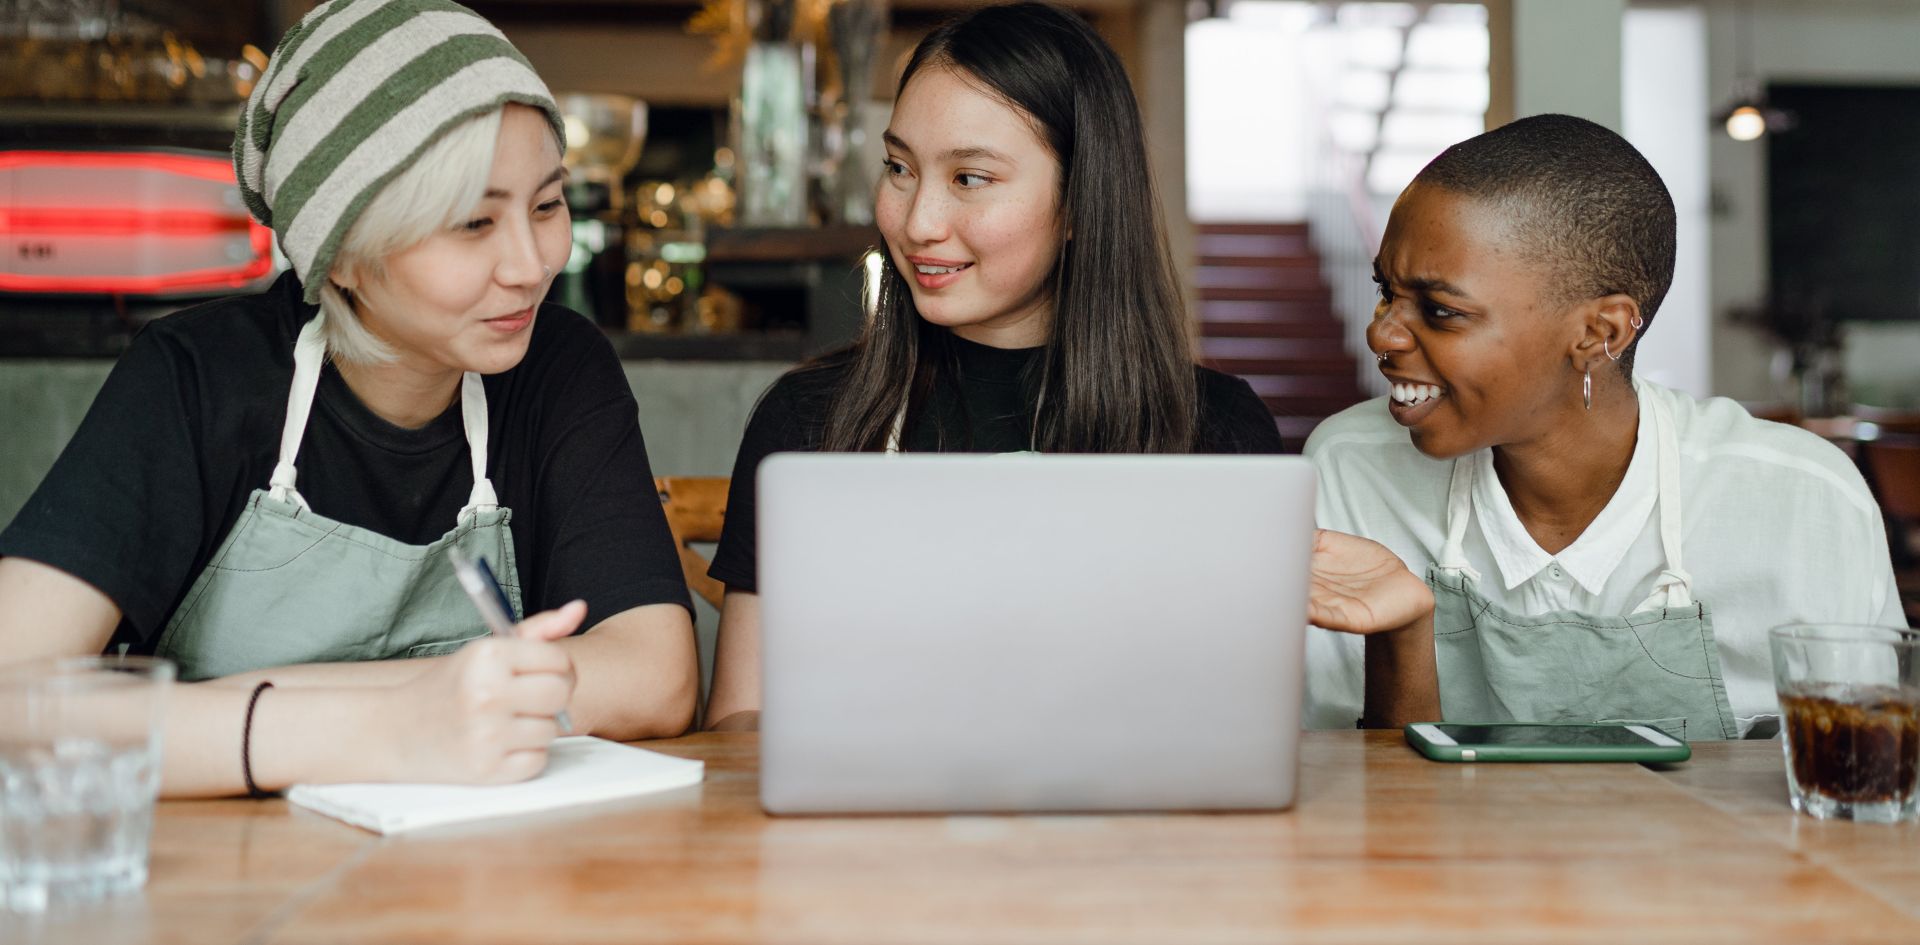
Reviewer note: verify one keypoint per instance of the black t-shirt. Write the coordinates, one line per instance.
(987, 408)
(188, 426)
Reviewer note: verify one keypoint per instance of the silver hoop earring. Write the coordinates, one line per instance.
(1586, 388)
(1610, 355)
(1638, 323)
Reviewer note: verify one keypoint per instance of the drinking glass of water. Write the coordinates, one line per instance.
(79, 770)
(1850, 696)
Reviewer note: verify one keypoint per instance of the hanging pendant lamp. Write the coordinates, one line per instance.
(1748, 116)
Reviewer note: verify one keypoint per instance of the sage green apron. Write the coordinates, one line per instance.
(291, 586)
(1657, 666)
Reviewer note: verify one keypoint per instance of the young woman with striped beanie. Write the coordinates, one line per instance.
(265, 488)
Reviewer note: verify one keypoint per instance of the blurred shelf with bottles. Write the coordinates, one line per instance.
(659, 262)
(117, 116)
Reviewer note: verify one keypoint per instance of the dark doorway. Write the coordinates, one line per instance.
(1844, 200)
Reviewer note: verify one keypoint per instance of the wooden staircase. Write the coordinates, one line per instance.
(1267, 315)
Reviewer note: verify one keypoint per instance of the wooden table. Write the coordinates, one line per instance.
(1384, 846)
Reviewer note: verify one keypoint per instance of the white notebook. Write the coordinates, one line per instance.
(580, 770)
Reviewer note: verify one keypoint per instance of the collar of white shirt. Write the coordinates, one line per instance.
(1592, 557)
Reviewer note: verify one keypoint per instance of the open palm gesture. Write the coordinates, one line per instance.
(1358, 586)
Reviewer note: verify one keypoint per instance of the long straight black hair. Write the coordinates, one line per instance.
(1118, 373)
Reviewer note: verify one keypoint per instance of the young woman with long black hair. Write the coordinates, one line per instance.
(1028, 302)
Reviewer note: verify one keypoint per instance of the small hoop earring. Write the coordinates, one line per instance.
(1638, 323)
(1586, 388)
(1610, 355)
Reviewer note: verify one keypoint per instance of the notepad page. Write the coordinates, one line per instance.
(580, 770)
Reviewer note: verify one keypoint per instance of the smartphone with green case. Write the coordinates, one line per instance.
(1533, 741)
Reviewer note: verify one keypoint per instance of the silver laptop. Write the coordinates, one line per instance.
(1026, 633)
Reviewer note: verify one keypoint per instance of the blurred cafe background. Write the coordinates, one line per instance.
(724, 153)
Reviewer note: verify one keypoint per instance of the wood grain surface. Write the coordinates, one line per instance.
(1383, 846)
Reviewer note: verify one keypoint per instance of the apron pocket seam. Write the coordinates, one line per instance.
(287, 563)
(1656, 660)
(382, 551)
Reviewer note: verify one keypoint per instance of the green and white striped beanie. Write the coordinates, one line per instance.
(350, 98)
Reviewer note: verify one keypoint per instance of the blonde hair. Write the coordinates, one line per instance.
(437, 191)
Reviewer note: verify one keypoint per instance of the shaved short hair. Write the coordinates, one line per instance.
(1579, 199)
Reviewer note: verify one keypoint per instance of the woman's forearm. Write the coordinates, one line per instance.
(734, 703)
(1402, 678)
(299, 735)
(638, 675)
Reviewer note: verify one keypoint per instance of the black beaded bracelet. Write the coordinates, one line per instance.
(246, 742)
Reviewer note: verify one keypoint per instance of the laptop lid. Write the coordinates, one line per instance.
(980, 633)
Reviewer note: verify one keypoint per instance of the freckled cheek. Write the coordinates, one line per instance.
(890, 213)
(1015, 248)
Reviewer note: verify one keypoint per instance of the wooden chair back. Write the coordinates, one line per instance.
(696, 507)
(1894, 464)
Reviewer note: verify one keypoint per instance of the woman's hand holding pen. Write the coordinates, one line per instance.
(486, 715)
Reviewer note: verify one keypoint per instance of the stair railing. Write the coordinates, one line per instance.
(1342, 227)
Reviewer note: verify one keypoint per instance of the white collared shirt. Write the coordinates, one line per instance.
(1778, 528)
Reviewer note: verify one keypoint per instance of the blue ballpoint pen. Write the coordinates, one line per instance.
(496, 611)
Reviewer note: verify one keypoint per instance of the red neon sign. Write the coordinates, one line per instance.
(37, 223)
(185, 165)
(96, 221)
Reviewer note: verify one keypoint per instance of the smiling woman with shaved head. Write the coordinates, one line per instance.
(1600, 548)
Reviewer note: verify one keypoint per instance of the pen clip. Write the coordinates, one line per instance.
(499, 592)
(474, 582)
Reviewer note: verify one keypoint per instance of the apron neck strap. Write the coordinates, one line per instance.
(1674, 587)
(473, 417)
(309, 354)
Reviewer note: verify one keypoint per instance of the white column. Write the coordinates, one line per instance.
(1566, 58)
(1664, 114)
